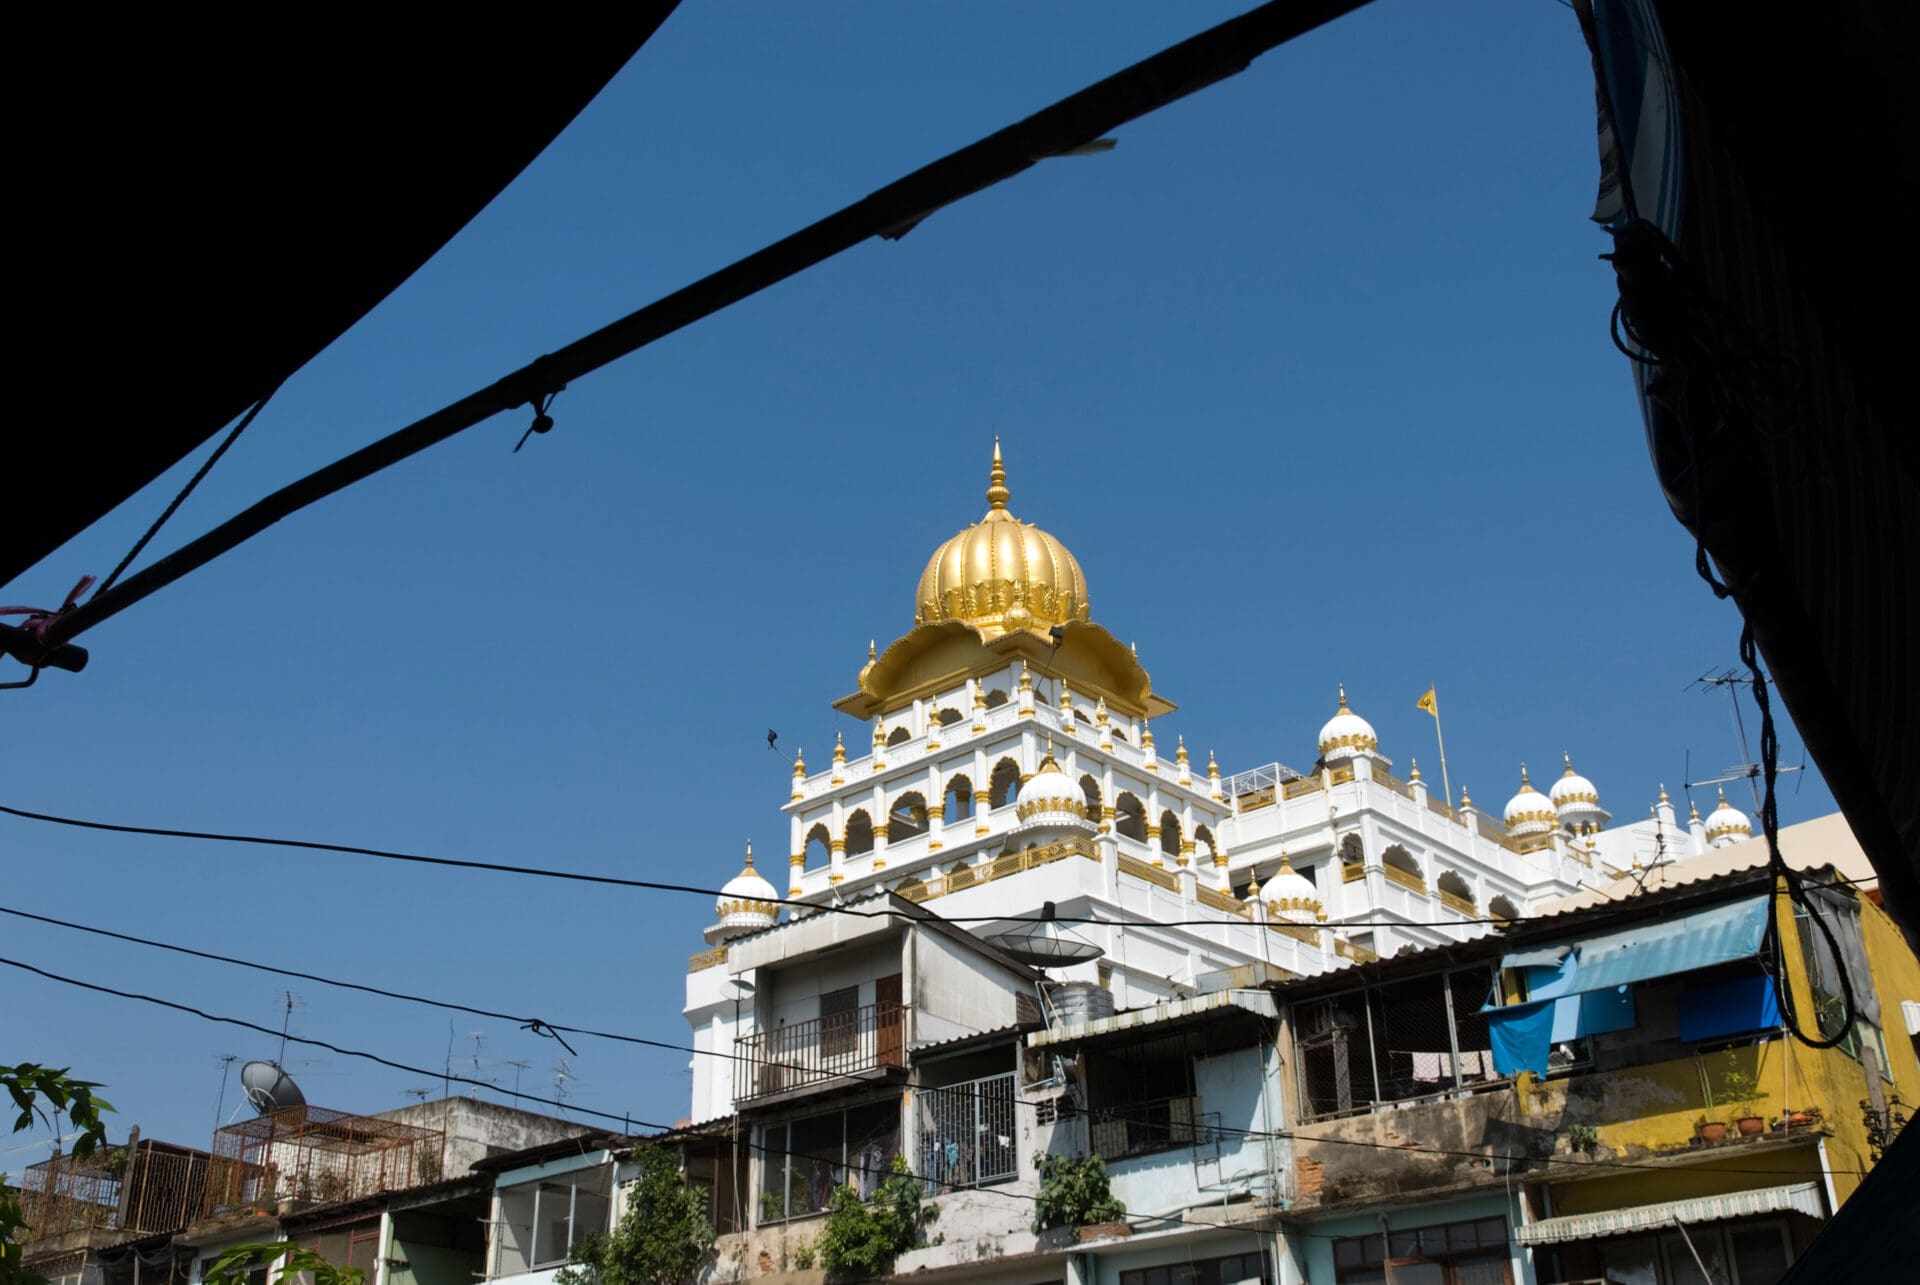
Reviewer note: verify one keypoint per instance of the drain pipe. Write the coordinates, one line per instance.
(1386, 1249)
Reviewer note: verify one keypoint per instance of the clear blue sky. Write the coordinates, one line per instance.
(1311, 372)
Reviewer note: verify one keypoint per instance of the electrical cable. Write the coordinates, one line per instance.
(1062, 129)
(628, 1119)
(200, 473)
(1594, 915)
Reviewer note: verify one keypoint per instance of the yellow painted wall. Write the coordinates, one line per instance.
(1645, 1110)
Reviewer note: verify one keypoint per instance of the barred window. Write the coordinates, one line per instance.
(967, 1133)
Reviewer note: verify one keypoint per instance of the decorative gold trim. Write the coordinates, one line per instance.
(837, 846)
(703, 960)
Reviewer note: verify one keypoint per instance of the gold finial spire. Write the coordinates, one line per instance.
(1253, 886)
(1525, 784)
(839, 749)
(1213, 768)
(1413, 769)
(1047, 762)
(1100, 714)
(749, 854)
(1026, 677)
(1146, 734)
(1568, 760)
(1466, 800)
(872, 652)
(1343, 696)
(1663, 793)
(1722, 791)
(799, 763)
(1692, 811)
(997, 482)
(879, 731)
(1066, 699)
(1180, 750)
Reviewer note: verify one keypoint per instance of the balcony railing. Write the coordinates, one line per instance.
(1455, 902)
(800, 1055)
(1405, 878)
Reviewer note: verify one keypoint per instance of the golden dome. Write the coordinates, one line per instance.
(1002, 574)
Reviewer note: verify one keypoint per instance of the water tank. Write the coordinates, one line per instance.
(1077, 1002)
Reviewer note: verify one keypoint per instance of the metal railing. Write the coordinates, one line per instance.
(1454, 901)
(153, 1187)
(1144, 1128)
(1223, 901)
(1305, 785)
(801, 1054)
(1405, 878)
(1353, 872)
(1148, 874)
(967, 1132)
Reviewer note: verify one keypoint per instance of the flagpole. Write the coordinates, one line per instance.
(1445, 784)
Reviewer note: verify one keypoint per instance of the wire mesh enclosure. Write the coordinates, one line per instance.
(313, 1153)
(967, 1132)
(148, 1186)
(1422, 1037)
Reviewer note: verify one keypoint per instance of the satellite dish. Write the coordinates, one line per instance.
(270, 1088)
(1045, 951)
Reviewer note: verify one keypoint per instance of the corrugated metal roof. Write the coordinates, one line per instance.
(1799, 1197)
(1809, 845)
(1257, 1002)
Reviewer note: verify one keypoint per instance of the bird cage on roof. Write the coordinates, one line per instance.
(313, 1154)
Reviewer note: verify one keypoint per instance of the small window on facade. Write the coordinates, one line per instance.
(839, 1021)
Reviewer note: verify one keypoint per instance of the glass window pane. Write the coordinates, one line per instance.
(1433, 1242)
(773, 1174)
(550, 1223)
(1346, 1253)
(1760, 1255)
(1483, 1268)
(873, 1140)
(1493, 1231)
(815, 1163)
(1682, 1266)
(1629, 1262)
(513, 1250)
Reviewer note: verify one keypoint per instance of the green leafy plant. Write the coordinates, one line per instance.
(1583, 1137)
(661, 1239)
(1743, 1087)
(803, 1256)
(28, 1084)
(236, 1266)
(863, 1237)
(1074, 1192)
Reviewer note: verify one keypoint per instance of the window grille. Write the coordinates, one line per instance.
(967, 1132)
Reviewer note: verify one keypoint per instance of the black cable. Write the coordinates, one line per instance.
(1596, 915)
(628, 1119)
(187, 490)
(302, 1039)
(1219, 52)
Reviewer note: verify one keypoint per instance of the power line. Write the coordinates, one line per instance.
(1593, 915)
(1062, 129)
(627, 1119)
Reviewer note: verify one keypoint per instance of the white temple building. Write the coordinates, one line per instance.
(1013, 763)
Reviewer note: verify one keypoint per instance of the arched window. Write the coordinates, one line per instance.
(948, 717)
(818, 848)
(1352, 852)
(1090, 790)
(1170, 834)
(995, 698)
(1130, 817)
(907, 817)
(899, 736)
(958, 801)
(1004, 788)
(1202, 843)
(1119, 732)
(859, 833)
(1502, 910)
(1451, 883)
(1398, 858)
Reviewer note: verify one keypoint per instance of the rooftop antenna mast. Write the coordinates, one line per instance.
(226, 1061)
(1746, 769)
(518, 1066)
(289, 1000)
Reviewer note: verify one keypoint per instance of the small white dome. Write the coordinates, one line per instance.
(1346, 733)
(1727, 824)
(1051, 796)
(1576, 800)
(1290, 892)
(747, 903)
(1529, 811)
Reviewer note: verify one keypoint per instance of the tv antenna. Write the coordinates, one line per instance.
(226, 1061)
(518, 1065)
(418, 1094)
(562, 1072)
(1746, 769)
(290, 1002)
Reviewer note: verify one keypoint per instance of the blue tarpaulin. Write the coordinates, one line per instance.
(1584, 987)
(1730, 1008)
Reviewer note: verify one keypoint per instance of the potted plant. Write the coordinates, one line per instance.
(1075, 1192)
(1743, 1087)
(1709, 1127)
